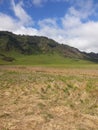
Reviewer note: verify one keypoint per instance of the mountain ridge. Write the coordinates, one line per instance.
(29, 45)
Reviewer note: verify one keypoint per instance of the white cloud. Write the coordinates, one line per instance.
(41, 2)
(21, 13)
(7, 22)
(18, 25)
(38, 2)
(70, 22)
(68, 30)
(48, 22)
(26, 31)
(73, 31)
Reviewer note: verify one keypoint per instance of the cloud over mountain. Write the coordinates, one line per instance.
(76, 27)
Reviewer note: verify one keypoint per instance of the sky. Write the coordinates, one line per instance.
(71, 22)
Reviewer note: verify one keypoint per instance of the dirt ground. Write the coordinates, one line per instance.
(42, 98)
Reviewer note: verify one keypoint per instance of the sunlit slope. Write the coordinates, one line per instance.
(35, 50)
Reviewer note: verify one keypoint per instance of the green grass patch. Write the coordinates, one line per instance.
(49, 60)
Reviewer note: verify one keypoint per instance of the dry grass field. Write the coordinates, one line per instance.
(43, 98)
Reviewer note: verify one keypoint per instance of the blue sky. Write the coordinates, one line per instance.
(72, 22)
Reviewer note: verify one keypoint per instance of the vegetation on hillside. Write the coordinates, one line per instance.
(12, 47)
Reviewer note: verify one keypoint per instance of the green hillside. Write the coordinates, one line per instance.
(46, 60)
(35, 50)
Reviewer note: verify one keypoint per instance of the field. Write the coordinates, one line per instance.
(48, 98)
(50, 60)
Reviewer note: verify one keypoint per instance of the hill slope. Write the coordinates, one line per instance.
(11, 44)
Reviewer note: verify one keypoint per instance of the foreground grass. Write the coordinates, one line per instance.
(39, 98)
